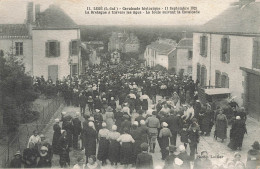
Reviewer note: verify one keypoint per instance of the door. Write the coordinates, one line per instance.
(253, 103)
(53, 72)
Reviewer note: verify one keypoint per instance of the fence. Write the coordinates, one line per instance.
(19, 140)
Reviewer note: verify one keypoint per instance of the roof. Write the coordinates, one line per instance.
(236, 19)
(162, 48)
(55, 18)
(215, 91)
(13, 30)
(185, 43)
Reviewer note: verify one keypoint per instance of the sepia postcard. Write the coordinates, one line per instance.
(130, 84)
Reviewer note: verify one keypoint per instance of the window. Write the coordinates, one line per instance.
(189, 70)
(74, 69)
(217, 79)
(225, 50)
(203, 80)
(256, 54)
(203, 45)
(224, 81)
(18, 48)
(74, 47)
(198, 72)
(190, 53)
(52, 49)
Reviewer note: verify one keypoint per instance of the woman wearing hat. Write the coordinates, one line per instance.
(253, 156)
(103, 144)
(109, 118)
(126, 141)
(114, 146)
(144, 160)
(45, 160)
(64, 150)
(56, 136)
(237, 132)
(136, 134)
(164, 136)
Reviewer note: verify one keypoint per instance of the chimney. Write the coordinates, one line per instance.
(184, 34)
(30, 18)
(37, 11)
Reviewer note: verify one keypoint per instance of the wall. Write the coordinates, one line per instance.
(182, 60)
(131, 48)
(162, 60)
(240, 56)
(6, 46)
(172, 58)
(41, 62)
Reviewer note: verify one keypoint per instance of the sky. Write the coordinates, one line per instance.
(14, 11)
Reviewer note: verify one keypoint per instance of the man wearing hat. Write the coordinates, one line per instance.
(76, 123)
(136, 134)
(82, 103)
(144, 160)
(56, 136)
(154, 124)
(16, 161)
(164, 136)
(253, 156)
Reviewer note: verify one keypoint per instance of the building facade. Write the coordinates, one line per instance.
(161, 52)
(48, 42)
(124, 42)
(184, 54)
(229, 57)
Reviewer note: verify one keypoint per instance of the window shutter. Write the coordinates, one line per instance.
(258, 55)
(201, 45)
(206, 46)
(70, 48)
(221, 49)
(58, 49)
(47, 49)
(228, 50)
(205, 77)
(227, 82)
(78, 46)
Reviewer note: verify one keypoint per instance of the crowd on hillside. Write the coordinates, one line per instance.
(121, 126)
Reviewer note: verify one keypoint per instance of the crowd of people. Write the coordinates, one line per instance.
(121, 126)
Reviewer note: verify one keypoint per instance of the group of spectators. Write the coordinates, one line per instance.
(121, 127)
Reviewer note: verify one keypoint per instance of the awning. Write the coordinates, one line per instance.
(217, 91)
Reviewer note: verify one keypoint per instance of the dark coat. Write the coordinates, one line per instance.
(55, 140)
(144, 161)
(30, 157)
(144, 130)
(194, 137)
(76, 126)
(90, 141)
(82, 100)
(175, 123)
(169, 160)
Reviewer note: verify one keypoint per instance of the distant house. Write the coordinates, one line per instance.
(160, 52)
(115, 57)
(48, 42)
(226, 54)
(184, 53)
(123, 42)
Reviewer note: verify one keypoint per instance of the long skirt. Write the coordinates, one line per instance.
(114, 151)
(103, 149)
(126, 153)
(55, 143)
(164, 144)
(145, 104)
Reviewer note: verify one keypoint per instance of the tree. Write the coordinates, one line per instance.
(16, 90)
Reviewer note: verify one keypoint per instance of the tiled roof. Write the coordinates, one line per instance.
(13, 30)
(185, 43)
(55, 18)
(236, 19)
(162, 48)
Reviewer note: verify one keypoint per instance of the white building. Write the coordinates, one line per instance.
(48, 42)
(184, 53)
(160, 52)
(226, 54)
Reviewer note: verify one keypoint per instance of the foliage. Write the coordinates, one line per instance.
(159, 68)
(16, 89)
